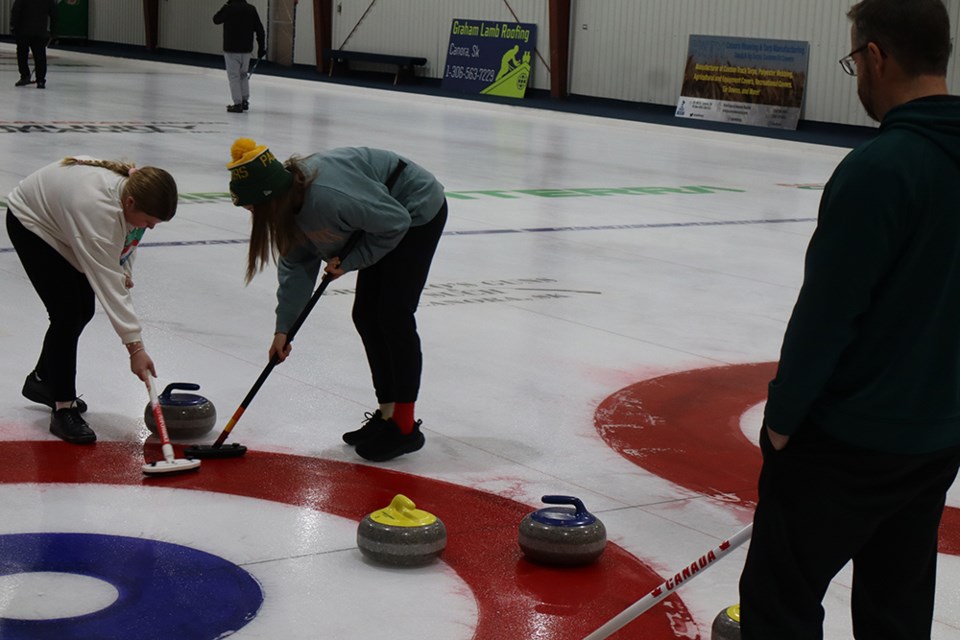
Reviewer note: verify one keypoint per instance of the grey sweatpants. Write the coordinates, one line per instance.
(237, 65)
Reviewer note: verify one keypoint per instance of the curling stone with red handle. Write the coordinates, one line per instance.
(187, 415)
(562, 535)
(401, 534)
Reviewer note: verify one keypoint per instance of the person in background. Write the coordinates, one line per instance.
(75, 225)
(241, 23)
(305, 211)
(861, 433)
(32, 23)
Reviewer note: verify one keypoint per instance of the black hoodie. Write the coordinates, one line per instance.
(871, 354)
(33, 18)
(240, 22)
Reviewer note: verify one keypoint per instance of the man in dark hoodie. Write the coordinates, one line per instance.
(32, 23)
(241, 23)
(861, 434)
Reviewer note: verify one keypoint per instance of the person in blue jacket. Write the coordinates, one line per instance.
(861, 434)
(305, 211)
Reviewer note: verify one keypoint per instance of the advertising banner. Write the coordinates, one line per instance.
(492, 58)
(750, 81)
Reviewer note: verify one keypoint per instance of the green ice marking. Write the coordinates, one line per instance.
(212, 196)
(592, 192)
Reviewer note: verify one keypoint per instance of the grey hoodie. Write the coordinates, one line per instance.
(348, 193)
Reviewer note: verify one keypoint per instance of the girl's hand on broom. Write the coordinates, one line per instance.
(142, 365)
(280, 349)
(332, 269)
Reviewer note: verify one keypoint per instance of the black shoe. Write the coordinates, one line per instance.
(41, 84)
(235, 108)
(371, 428)
(22, 83)
(67, 425)
(36, 390)
(246, 105)
(390, 443)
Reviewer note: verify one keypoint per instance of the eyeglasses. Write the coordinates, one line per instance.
(847, 63)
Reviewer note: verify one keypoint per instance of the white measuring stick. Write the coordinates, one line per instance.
(666, 588)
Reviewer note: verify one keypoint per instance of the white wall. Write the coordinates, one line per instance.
(635, 50)
(187, 25)
(118, 21)
(422, 28)
(632, 50)
(304, 40)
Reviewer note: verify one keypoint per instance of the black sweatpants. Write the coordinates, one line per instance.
(38, 46)
(70, 303)
(386, 300)
(823, 503)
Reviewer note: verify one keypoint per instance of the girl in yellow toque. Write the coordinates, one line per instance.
(304, 212)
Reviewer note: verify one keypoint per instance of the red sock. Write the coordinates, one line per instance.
(403, 416)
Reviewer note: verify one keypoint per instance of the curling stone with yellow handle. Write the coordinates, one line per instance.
(726, 626)
(562, 535)
(401, 534)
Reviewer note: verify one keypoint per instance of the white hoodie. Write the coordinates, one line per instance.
(76, 210)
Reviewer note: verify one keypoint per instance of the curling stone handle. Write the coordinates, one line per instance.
(182, 386)
(402, 505)
(575, 502)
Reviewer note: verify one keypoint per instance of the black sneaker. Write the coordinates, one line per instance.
(246, 105)
(372, 427)
(36, 390)
(68, 425)
(390, 443)
(22, 83)
(235, 108)
(41, 84)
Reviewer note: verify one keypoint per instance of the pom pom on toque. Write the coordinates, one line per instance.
(255, 173)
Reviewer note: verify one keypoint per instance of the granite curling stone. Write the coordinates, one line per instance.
(401, 534)
(726, 626)
(562, 535)
(187, 415)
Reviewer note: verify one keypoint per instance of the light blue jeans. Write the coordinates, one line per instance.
(237, 65)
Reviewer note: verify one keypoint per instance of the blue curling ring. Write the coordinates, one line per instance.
(165, 590)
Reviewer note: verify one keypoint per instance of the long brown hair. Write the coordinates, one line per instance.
(153, 190)
(274, 228)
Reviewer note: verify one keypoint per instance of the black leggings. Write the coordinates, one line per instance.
(70, 303)
(386, 300)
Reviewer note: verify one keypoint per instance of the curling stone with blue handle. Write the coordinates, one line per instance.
(726, 626)
(187, 415)
(401, 534)
(562, 535)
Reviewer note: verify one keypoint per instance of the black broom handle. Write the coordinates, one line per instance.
(327, 278)
(311, 303)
